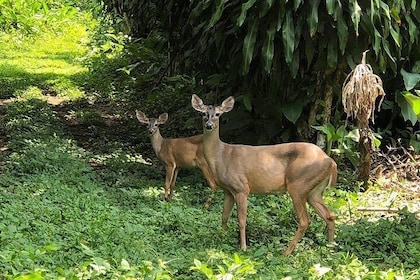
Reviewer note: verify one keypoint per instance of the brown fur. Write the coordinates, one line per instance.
(177, 153)
(301, 169)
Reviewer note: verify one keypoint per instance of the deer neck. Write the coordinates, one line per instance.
(213, 148)
(157, 140)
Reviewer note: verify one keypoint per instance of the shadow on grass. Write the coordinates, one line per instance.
(14, 80)
(384, 242)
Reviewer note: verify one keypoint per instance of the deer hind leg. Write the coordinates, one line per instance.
(299, 203)
(227, 208)
(170, 179)
(316, 201)
(209, 200)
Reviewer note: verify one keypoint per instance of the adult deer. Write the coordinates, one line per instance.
(176, 153)
(301, 169)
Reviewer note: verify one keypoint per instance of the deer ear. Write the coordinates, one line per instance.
(142, 117)
(198, 104)
(163, 118)
(227, 104)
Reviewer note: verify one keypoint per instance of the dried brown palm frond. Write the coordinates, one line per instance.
(360, 90)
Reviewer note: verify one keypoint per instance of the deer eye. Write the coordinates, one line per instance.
(217, 114)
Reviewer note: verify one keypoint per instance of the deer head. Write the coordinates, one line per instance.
(211, 113)
(152, 123)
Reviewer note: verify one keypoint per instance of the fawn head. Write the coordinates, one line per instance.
(211, 113)
(152, 123)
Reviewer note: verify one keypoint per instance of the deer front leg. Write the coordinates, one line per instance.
(227, 208)
(207, 174)
(175, 175)
(170, 171)
(242, 206)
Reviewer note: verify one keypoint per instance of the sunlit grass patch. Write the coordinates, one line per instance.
(49, 62)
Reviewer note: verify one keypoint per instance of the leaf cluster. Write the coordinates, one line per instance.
(278, 57)
(34, 16)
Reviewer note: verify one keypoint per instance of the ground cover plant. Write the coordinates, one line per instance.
(81, 193)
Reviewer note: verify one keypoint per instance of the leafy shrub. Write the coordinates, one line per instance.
(34, 16)
(231, 268)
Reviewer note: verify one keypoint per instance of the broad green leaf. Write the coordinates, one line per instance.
(331, 7)
(268, 48)
(292, 110)
(341, 131)
(414, 102)
(376, 141)
(406, 110)
(247, 100)
(328, 129)
(395, 13)
(395, 35)
(355, 15)
(216, 16)
(354, 135)
(412, 29)
(280, 15)
(245, 7)
(249, 45)
(392, 63)
(377, 42)
(313, 17)
(385, 8)
(410, 79)
(288, 33)
(416, 67)
(342, 32)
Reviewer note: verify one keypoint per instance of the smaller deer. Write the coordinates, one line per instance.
(177, 153)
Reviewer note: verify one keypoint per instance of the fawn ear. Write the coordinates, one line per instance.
(227, 104)
(163, 118)
(198, 104)
(142, 117)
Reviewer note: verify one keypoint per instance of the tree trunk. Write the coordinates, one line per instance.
(321, 140)
(366, 149)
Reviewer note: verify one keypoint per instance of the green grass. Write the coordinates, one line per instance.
(48, 62)
(60, 217)
(73, 212)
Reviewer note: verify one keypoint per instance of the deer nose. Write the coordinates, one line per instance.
(152, 130)
(209, 125)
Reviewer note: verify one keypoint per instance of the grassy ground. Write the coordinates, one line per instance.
(79, 201)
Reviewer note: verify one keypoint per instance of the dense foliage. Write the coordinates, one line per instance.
(285, 60)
